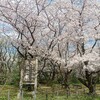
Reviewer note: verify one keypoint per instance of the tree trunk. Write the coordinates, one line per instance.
(92, 90)
(90, 85)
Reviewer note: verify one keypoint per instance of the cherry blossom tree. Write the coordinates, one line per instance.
(87, 58)
(78, 30)
(8, 59)
(26, 21)
(64, 32)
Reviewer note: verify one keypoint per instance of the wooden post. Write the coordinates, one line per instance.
(22, 95)
(34, 95)
(35, 81)
(21, 80)
(36, 74)
(46, 95)
(21, 84)
(8, 95)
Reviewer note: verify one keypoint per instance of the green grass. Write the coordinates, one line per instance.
(46, 93)
(41, 97)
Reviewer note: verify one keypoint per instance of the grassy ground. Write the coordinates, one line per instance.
(48, 93)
